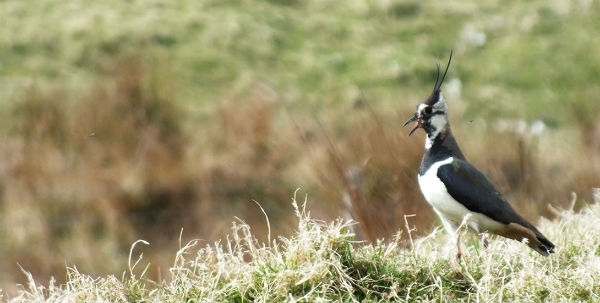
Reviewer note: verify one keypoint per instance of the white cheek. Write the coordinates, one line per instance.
(438, 121)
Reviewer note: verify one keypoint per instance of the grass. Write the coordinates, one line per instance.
(126, 120)
(322, 262)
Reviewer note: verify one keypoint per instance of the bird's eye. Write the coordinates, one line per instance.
(427, 110)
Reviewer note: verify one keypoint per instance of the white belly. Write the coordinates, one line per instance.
(449, 209)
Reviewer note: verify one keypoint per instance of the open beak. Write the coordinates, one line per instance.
(417, 125)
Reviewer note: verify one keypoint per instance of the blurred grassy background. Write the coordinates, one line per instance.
(123, 120)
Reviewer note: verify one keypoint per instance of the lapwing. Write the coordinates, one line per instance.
(456, 190)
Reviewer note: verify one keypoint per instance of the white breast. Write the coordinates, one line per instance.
(449, 209)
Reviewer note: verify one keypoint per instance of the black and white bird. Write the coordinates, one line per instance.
(456, 190)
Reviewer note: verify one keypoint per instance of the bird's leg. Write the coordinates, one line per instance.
(454, 232)
(459, 231)
(458, 251)
(484, 239)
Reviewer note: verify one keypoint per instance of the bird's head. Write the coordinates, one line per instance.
(431, 115)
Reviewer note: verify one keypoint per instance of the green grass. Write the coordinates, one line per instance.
(215, 49)
(321, 262)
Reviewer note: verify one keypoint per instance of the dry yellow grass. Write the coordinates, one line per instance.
(321, 262)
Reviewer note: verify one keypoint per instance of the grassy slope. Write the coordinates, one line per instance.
(315, 52)
(321, 263)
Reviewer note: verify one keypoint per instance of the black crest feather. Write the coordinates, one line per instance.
(438, 83)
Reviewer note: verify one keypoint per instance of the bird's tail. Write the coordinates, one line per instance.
(535, 239)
